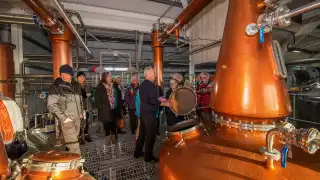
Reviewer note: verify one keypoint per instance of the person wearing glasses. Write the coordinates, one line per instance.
(203, 96)
(176, 81)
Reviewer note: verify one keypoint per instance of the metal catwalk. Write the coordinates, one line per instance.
(114, 162)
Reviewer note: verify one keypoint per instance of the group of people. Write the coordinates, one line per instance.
(72, 100)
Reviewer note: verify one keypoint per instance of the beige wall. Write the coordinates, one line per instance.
(208, 24)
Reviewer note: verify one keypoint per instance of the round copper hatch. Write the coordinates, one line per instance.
(54, 156)
(183, 101)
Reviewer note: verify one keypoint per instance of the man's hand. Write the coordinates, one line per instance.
(67, 120)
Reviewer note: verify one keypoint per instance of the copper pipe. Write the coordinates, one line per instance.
(7, 69)
(41, 11)
(158, 56)
(188, 13)
(61, 50)
(248, 66)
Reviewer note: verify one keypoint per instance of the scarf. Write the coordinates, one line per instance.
(110, 93)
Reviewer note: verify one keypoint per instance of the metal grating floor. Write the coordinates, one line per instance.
(114, 162)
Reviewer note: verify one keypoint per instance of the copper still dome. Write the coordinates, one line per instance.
(247, 91)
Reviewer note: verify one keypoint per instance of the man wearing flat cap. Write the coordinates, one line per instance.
(66, 103)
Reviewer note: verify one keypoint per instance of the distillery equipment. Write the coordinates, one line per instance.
(250, 138)
(7, 86)
(54, 165)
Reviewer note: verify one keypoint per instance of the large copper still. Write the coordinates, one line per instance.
(7, 87)
(248, 97)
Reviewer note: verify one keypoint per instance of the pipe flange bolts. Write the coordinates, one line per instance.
(282, 22)
(274, 154)
(311, 135)
(266, 21)
(252, 29)
(58, 28)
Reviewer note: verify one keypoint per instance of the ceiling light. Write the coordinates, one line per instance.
(121, 69)
(100, 70)
(296, 51)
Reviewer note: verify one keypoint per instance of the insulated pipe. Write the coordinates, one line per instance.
(7, 70)
(188, 13)
(158, 54)
(61, 50)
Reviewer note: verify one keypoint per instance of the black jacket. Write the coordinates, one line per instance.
(102, 103)
(171, 117)
(149, 97)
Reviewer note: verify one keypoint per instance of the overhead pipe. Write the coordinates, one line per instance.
(70, 24)
(188, 13)
(300, 10)
(303, 61)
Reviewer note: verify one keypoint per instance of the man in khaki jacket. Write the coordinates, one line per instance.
(65, 102)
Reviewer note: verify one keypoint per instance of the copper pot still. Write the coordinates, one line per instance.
(260, 99)
(7, 86)
(55, 165)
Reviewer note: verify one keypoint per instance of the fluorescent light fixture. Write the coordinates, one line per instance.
(296, 51)
(115, 69)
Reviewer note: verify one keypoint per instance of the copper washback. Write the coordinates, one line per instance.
(247, 83)
(7, 87)
(158, 57)
(229, 154)
(183, 101)
(61, 50)
(37, 166)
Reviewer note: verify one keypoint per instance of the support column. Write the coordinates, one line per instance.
(158, 54)
(61, 50)
(17, 39)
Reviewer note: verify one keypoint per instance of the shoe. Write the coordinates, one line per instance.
(121, 132)
(81, 141)
(87, 138)
(138, 155)
(152, 159)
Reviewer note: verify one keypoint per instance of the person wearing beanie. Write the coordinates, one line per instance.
(66, 104)
(87, 103)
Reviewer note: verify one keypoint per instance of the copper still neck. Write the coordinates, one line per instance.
(246, 85)
(158, 54)
(7, 86)
(61, 50)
